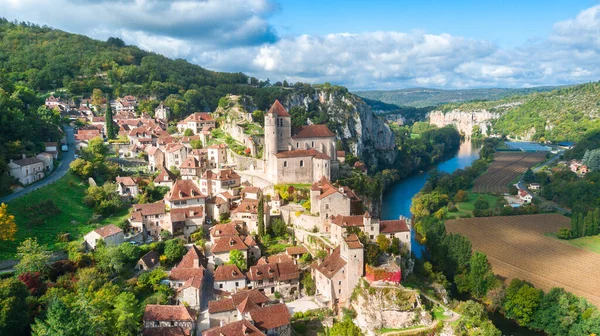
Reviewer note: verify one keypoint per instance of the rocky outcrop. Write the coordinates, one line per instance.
(464, 121)
(362, 132)
(388, 307)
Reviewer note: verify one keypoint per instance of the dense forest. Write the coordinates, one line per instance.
(565, 114)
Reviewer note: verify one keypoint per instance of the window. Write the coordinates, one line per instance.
(297, 145)
(220, 285)
(313, 144)
(237, 284)
(340, 282)
(284, 164)
(340, 291)
(327, 206)
(301, 163)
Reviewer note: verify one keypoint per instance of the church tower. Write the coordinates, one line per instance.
(270, 149)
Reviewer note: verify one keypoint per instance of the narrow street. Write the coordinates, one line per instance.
(61, 170)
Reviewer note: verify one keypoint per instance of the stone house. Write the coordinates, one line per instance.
(247, 213)
(216, 155)
(27, 170)
(175, 154)
(272, 320)
(184, 220)
(231, 309)
(371, 227)
(337, 275)
(229, 278)
(52, 148)
(328, 200)
(217, 205)
(184, 193)
(147, 218)
(148, 261)
(212, 183)
(156, 158)
(224, 245)
(282, 277)
(165, 178)
(237, 328)
(251, 192)
(196, 122)
(525, 196)
(162, 111)
(171, 319)
(222, 230)
(48, 159)
(191, 168)
(110, 234)
(296, 252)
(127, 187)
(187, 277)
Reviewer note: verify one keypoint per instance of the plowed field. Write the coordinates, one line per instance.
(505, 168)
(517, 248)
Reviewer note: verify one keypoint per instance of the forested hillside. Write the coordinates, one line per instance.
(424, 97)
(563, 114)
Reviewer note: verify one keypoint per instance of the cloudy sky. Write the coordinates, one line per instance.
(361, 44)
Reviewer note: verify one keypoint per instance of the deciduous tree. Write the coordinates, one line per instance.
(32, 256)
(8, 226)
(237, 258)
(14, 313)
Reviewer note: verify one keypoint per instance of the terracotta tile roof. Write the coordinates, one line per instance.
(150, 259)
(353, 242)
(198, 116)
(187, 266)
(108, 230)
(221, 175)
(302, 153)
(166, 331)
(328, 192)
(351, 194)
(251, 190)
(165, 175)
(193, 282)
(391, 226)
(278, 258)
(288, 271)
(27, 161)
(173, 147)
(150, 209)
(278, 109)
(219, 306)
(254, 295)
(332, 264)
(238, 328)
(228, 273)
(181, 214)
(249, 241)
(183, 190)
(296, 250)
(126, 180)
(341, 154)
(312, 131)
(344, 221)
(247, 206)
(218, 146)
(247, 306)
(262, 272)
(221, 230)
(228, 243)
(271, 317)
(167, 313)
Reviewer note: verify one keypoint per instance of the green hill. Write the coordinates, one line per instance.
(563, 114)
(424, 97)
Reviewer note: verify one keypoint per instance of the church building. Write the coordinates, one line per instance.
(302, 157)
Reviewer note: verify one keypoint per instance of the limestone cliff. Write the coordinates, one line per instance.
(464, 121)
(388, 307)
(364, 134)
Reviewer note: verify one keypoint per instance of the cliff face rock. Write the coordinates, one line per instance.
(388, 307)
(465, 121)
(366, 135)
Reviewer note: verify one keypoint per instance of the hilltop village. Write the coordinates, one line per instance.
(266, 229)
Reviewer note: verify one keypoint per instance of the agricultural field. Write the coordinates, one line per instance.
(505, 168)
(517, 248)
(465, 209)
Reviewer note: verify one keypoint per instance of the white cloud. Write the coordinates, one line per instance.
(235, 35)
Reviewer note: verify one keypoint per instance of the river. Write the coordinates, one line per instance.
(397, 201)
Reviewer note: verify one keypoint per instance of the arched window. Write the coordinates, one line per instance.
(297, 144)
(313, 144)
(301, 163)
(284, 163)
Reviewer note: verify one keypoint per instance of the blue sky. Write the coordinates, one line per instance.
(507, 22)
(359, 44)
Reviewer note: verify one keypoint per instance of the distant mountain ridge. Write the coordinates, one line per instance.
(425, 97)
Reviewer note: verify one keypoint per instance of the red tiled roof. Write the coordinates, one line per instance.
(228, 243)
(219, 306)
(150, 259)
(313, 131)
(167, 313)
(164, 172)
(345, 221)
(302, 153)
(186, 268)
(108, 230)
(27, 161)
(247, 206)
(228, 273)
(287, 271)
(150, 209)
(221, 175)
(271, 317)
(181, 214)
(278, 109)
(296, 250)
(254, 295)
(166, 331)
(184, 189)
(193, 282)
(353, 242)
(198, 116)
(238, 328)
(279, 258)
(332, 264)
(391, 226)
(262, 272)
(126, 180)
(220, 230)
